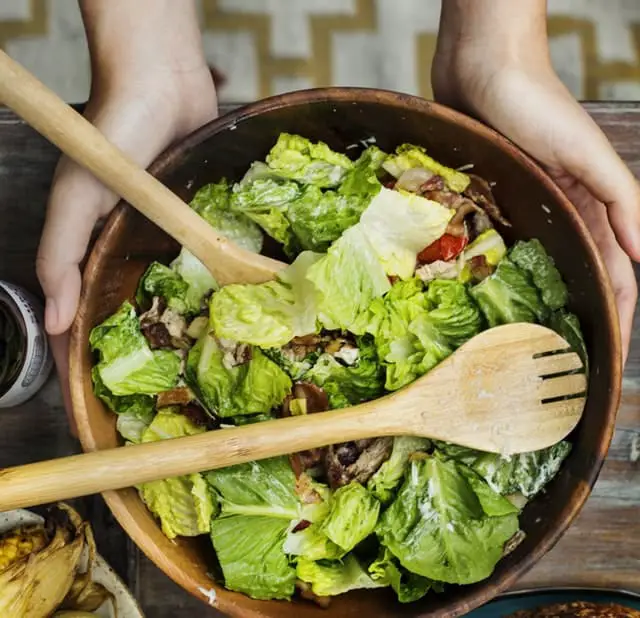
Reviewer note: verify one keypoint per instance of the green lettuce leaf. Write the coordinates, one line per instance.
(312, 543)
(297, 158)
(525, 473)
(258, 504)
(198, 279)
(508, 296)
(334, 578)
(531, 257)
(408, 156)
(567, 325)
(399, 225)
(489, 244)
(389, 475)
(318, 218)
(347, 279)
(160, 280)
(183, 504)
(265, 200)
(295, 369)
(127, 365)
(349, 385)
(269, 314)
(437, 526)
(254, 387)
(362, 179)
(212, 202)
(353, 514)
(409, 587)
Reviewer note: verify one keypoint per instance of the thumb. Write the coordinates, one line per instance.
(75, 203)
(592, 160)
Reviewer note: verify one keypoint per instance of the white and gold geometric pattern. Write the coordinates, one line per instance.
(265, 47)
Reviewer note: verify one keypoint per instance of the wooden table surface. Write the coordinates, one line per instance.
(601, 549)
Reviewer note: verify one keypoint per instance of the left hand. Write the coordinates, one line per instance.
(526, 101)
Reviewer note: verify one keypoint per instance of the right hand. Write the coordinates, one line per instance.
(142, 116)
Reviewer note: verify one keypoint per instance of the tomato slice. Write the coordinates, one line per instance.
(445, 248)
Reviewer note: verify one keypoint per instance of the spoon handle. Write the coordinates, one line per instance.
(83, 143)
(116, 468)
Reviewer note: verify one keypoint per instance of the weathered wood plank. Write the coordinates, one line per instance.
(601, 548)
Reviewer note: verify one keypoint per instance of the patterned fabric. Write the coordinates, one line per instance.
(264, 47)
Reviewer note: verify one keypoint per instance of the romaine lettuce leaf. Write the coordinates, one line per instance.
(183, 504)
(198, 279)
(318, 218)
(409, 587)
(437, 526)
(347, 279)
(297, 158)
(508, 296)
(254, 387)
(212, 203)
(525, 473)
(349, 385)
(258, 505)
(399, 225)
(530, 256)
(127, 365)
(269, 314)
(353, 514)
(333, 578)
(389, 475)
(362, 178)
(489, 244)
(265, 201)
(567, 325)
(312, 543)
(160, 280)
(408, 156)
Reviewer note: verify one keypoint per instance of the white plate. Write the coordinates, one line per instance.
(126, 605)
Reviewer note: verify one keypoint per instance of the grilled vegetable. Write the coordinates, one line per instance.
(40, 564)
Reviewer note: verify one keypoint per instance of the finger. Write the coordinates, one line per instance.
(619, 266)
(75, 203)
(60, 349)
(591, 159)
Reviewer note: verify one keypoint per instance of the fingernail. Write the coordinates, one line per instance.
(50, 316)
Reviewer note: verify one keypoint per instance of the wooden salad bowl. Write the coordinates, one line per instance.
(340, 117)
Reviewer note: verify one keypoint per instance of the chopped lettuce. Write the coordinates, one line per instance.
(265, 201)
(298, 158)
(389, 475)
(439, 526)
(567, 325)
(295, 369)
(362, 178)
(269, 314)
(531, 257)
(127, 365)
(331, 578)
(508, 296)
(318, 218)
(408, 156)
(349, 385)
(415, 330)
(347, 279)
(525, 473)
(183, 504)
(198, 279)
(352, 516)
(160, 280)
(257, 507)
(407, 585)
(312, 543)
(489, 244)
(212, 203)
(399, 225)
(253, 387)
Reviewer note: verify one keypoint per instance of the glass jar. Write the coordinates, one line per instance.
(25, 357)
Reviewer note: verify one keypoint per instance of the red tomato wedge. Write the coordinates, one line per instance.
(445, 248)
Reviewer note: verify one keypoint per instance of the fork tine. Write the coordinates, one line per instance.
(562, 386)
(558, 363)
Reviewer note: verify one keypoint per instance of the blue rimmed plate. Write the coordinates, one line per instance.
(509, 603)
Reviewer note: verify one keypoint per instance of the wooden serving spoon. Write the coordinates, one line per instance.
(504, 391)
(82, 142)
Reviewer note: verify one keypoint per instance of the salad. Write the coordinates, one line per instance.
(395, 262)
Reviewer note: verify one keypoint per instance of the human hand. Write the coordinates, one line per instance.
(522, 98)
(142, 107)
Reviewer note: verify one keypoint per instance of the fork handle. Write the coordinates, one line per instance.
(116, 468)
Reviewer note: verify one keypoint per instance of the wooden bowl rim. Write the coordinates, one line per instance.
(467, 598)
